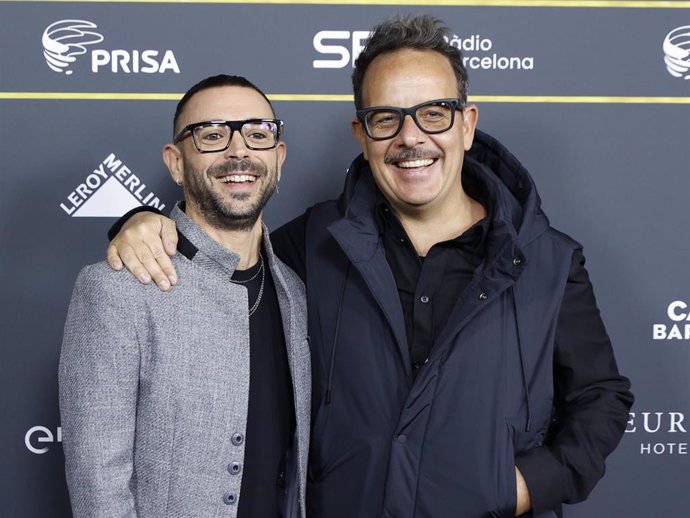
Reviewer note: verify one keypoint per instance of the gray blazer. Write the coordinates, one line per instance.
(154, 387)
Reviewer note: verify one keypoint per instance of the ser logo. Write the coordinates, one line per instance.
(109, 191)
(345, 52)
(38, 435)
(65, 40)
(342, 48)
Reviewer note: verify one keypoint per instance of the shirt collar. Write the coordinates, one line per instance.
(387, 220)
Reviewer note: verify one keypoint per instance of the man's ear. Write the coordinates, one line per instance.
(469, 124)
(358, 132)
(173, 159)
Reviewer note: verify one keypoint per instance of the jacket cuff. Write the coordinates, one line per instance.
(117, 226)
(544, 477)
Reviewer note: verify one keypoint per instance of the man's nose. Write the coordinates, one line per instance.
(410, 134)
(237, 147)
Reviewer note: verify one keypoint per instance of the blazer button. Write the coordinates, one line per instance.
(483, 296)
(517, 261)
(230, 498)
(237, 439)
(234, 468)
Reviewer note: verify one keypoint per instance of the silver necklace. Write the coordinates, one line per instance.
(262, 270)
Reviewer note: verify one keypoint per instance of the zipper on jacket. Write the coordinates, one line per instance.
(331, 365)
(522, 361)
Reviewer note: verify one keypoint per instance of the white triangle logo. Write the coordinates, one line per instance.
(112, 200)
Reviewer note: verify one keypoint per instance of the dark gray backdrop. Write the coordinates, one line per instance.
(614, 173)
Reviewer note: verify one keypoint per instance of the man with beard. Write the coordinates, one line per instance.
(171, 403)
(460, 364)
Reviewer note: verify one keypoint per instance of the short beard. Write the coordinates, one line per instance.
(218, 212)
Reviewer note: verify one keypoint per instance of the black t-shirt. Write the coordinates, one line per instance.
(271, 417)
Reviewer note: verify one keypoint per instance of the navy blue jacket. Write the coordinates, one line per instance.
(523, 373)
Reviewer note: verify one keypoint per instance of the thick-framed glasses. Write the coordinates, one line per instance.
(385, 122)
(215, 136)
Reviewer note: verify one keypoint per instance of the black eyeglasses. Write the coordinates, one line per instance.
(385, 122)
(215, 136)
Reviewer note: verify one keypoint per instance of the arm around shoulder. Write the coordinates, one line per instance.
(143, 240)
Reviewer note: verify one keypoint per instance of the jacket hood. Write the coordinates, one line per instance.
(512, 192)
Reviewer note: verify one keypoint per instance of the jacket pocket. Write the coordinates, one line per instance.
(506, 484)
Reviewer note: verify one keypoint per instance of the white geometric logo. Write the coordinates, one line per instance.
(66, 39)
(112, 200)
(677, 52)
(108, 192)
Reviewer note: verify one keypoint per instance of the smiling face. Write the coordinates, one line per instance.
(417, 173)
(226, 190)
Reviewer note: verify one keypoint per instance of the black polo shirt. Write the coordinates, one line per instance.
(430, 286)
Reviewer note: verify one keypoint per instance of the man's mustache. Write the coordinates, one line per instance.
(412, 154)
(237, 165)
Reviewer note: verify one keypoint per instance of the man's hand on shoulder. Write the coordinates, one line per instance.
(144, 245)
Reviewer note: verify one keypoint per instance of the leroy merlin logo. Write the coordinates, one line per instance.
(108, 192)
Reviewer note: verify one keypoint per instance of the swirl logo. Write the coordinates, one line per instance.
(64, 40)
(677, 52)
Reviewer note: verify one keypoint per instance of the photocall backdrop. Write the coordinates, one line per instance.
(593, 97)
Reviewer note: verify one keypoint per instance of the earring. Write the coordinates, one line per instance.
(179, 182)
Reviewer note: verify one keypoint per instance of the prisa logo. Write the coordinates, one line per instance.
(677, 52)
(65, 40)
